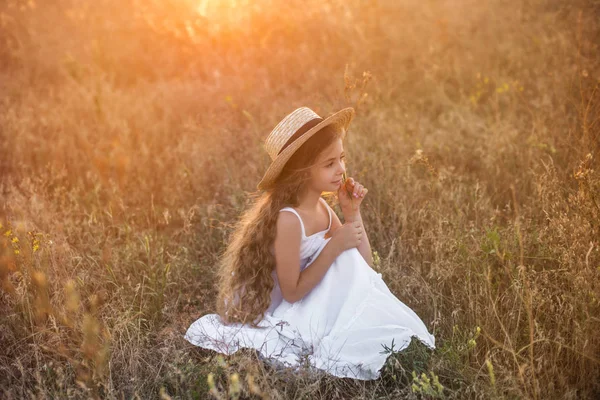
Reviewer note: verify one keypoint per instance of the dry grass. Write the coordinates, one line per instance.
(130, 138)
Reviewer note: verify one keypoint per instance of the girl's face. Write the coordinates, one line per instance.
(330, 165)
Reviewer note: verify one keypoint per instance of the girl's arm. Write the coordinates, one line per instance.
(295, 284)
(365, 247)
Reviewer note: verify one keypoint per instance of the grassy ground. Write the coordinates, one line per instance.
(130, 141)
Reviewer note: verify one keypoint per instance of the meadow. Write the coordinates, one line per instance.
(131, 141)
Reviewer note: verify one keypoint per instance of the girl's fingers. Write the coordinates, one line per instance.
(360, 192)
(356, 189)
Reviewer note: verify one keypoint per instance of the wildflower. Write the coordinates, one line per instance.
(376, 259)
(8, 233)
(234, 387)
(346, 188)
(436, 383)
(210, 379)
(254, 388)
(15, 240)
(490, 368)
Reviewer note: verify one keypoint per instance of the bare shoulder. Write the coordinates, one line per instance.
(288, 226)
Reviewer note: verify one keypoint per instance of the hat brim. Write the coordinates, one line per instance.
(342, 118)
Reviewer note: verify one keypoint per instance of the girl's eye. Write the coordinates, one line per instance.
(341, 158)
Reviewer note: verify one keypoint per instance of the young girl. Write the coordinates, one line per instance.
(298, 285)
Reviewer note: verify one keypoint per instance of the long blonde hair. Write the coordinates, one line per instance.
(244, 277)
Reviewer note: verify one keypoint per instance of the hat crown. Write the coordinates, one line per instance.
(286, 128)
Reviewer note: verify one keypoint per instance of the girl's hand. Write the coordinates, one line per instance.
(351, 194)
(348, 235)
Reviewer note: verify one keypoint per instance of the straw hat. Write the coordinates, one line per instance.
(292, 131)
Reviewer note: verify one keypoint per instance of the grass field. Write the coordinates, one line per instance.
(131, 141)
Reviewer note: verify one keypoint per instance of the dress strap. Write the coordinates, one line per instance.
(298, 215)
(300, 218)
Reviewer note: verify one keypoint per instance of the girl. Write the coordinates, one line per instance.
(298, 285)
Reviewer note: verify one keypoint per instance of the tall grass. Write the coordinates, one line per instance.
(130, 140)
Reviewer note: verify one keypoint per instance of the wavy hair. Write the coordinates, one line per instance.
(245, 267)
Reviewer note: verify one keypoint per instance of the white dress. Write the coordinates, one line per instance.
(339, 327)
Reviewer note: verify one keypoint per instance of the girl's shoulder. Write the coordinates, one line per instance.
(292, 207)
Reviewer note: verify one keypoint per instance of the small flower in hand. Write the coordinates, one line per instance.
(351, 194)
